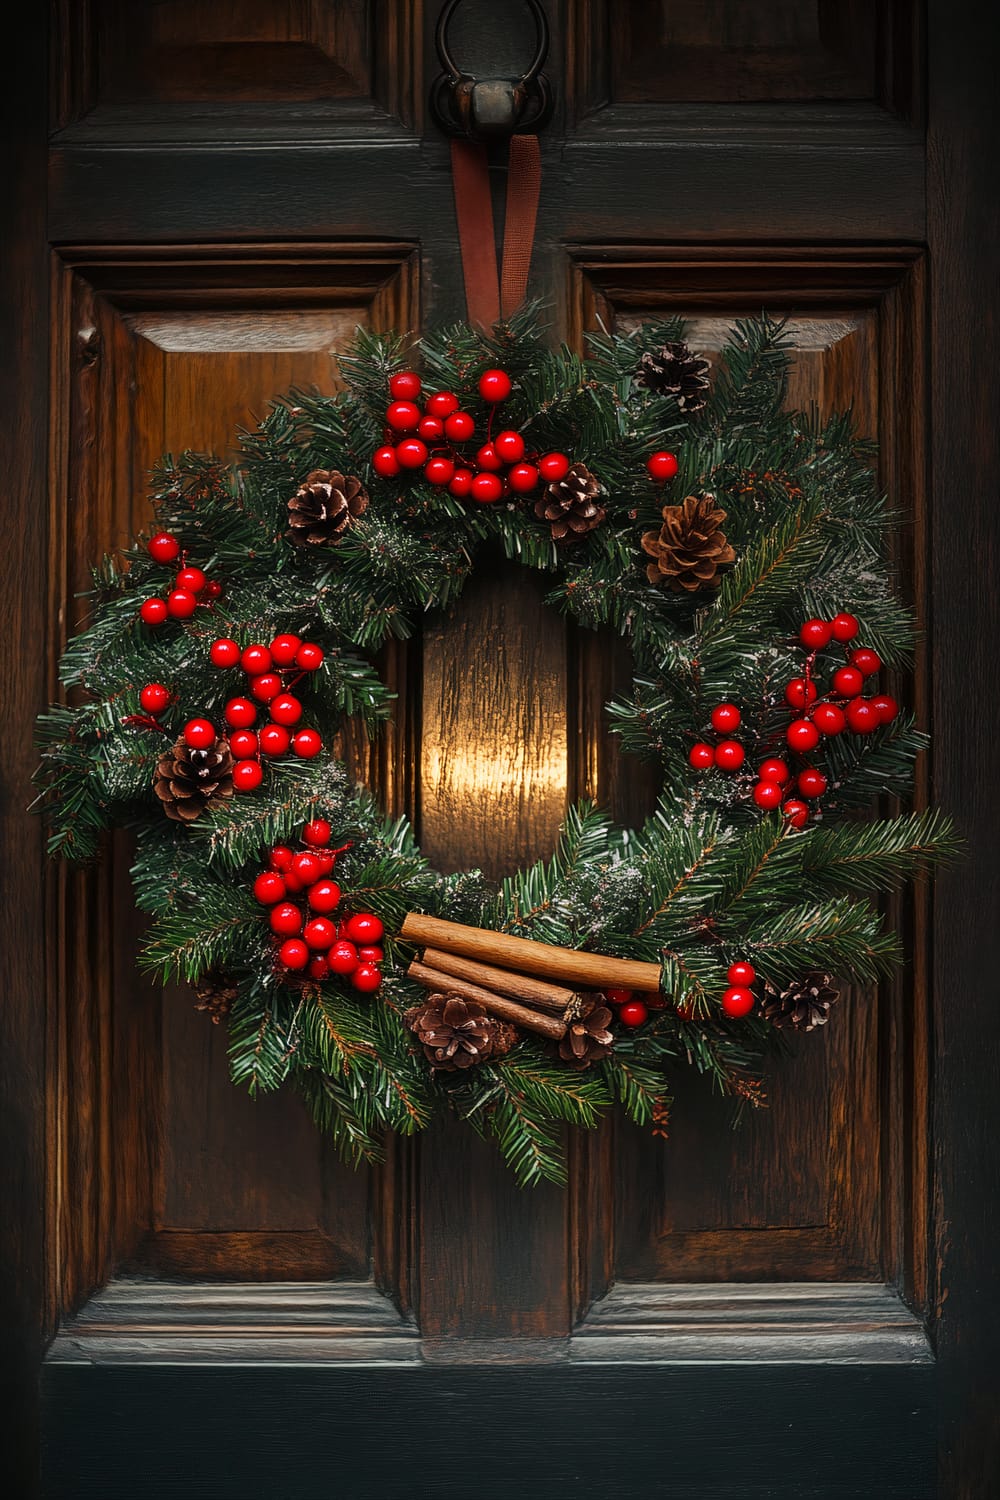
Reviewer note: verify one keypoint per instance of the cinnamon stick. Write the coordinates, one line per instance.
(502, 981)
(595, 971)
(494, 1005)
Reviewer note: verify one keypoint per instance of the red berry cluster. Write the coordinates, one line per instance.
(191, 586)
(728, 754)
(272, 672)
(308, 937)
(438, 440)
(738, 999)
(631, 1012)
(822, 714)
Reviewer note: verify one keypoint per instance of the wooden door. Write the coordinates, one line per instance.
(787, 1310)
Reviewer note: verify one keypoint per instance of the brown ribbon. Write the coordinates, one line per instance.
(488, 297)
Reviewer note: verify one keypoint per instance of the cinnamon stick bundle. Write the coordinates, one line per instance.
(494, 1005)
(594, 971)
(501, 981)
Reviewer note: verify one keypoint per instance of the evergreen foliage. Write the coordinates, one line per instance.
(709, 879)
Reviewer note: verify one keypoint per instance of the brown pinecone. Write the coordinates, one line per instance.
(215, 992)
(587, 1038)
(187, 781)
(689, 548)
(324, 506)
(570, 504)
(453, 1032)
(674, 371)
(804, 1005)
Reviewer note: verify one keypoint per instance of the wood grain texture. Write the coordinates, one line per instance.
(965, 320)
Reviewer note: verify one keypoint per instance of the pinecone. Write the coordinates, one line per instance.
(187, 781)
(324, 506)
(216, 993)
(689, 548)
(587, 1038)
(456, 1033)
(570, 504)
(675, 371)
(804, 1005)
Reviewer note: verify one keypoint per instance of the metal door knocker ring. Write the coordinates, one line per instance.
(491, 108)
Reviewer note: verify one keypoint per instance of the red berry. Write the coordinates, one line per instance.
(324, 896)
(725, 717)
(154, 698)
(153, 611)
(274, 739)
(317, 833)
(265, 687)
(523, 478)
(741, 972)
(802, 735)
(213, 589)
(255, 660)
(439, 471)
(773, 770)
(371, 955)
(294, 954)
(181, 604)
(243, 743)
(488, 458)
(729, 755)
(292, 881)
(412, 453)
(701, 756)
(811, 783)
(191, 579)
(319, 969)
(553, 467)
(366, 978)
(283, 649)
(829, 719)
(319, 933)
(365, 928)
(737, 1001)
(224, 652)
(633, 1013)
(306, 744)
(163, 547)
(269, 887)
(405, 386)
(486, 488)
(867, 662)
(385, 463)
(800, 692)
(306, 867)
(286, 709)
(815, 634)
(796, 812)
(309, 657)
(442, 404)
(199, 734)
(662, 466)
(844, 628)
(241, 713)
(494, 385)
(327, 860)
(403, 416)
(431, 429)
(343, 958)
(862, 715)
(247, 775)
(461, 483)
(509, 445)
(281, 857)
(847, 681)
(459, 426)
(767, 794)
(617, 995)
(286, 919)
(886, 706)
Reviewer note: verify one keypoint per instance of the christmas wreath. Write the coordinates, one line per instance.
(736, 546)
